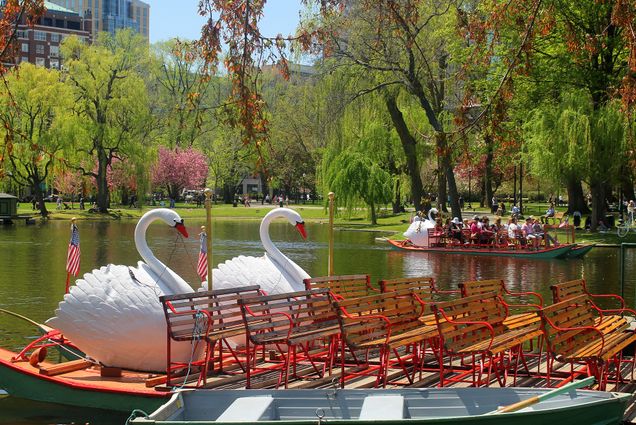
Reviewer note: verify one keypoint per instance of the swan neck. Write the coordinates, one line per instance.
(269, 246)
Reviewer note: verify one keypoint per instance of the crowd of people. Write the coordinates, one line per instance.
(480, 231)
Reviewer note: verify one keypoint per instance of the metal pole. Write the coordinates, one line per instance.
(331, 201)
(208, 220)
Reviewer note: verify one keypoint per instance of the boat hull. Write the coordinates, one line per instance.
(84, 389)
(440, 406)
(579, 251)
(554, 252)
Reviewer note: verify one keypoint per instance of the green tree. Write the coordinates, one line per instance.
(111, 100)
(35, 110)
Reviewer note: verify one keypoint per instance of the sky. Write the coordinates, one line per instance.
(180, 18)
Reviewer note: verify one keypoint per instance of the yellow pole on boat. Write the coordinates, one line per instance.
(208, 242)
(331, 201)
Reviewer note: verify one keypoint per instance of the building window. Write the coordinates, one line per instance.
(25, 47)
(24, 59)
(40, 36)
(55, 38)
(39, 49)
(39, 61)
(22, 34)
(54, 51)
(55, 64)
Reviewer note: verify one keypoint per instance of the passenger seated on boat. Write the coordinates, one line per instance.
(487, 234)
(539, 231)
(455, 230)
(475, 230)
(528, 233)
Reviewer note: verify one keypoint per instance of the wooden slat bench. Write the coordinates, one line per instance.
(209, 316)
(573, 288)
(386, 321)
(520, 314)
(294, 320)
(473, 326)
(423, 287)
(574, 334)
(346, 286)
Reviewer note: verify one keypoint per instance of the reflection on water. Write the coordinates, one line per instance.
(33, 258)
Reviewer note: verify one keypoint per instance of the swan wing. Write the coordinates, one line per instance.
(113, 314)
(244, 271)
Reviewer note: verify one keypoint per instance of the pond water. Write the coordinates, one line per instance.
(32, 275)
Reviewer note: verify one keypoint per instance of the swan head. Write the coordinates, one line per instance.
(172, 219)
(292, 217)
(432, 213)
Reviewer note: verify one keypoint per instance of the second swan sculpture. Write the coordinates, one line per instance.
(274, 272)
(114, 315)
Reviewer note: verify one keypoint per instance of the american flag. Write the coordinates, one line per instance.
(73, 255)
(202, 265)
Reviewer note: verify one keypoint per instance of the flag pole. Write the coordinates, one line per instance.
(331, 201)
(208, 241)
(68, 274)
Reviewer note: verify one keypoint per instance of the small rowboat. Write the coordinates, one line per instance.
(78, 383)
(399, 406)
(560, 251)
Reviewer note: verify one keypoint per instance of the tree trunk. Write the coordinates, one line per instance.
(441, 188)
(374, 217)
(397, 198)
(449, 173)
(576, 200)
(488, 170)
(39, 197)
(102, 182)
(410, 152)
(627, 184)
(598, 204)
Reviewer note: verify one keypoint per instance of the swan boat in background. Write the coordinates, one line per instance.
(274, 272)
(113, 314)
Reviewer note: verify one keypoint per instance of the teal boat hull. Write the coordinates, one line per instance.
(19, 381)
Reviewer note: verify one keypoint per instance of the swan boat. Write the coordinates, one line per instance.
(113, 314)
(434, 406)
(560, 251)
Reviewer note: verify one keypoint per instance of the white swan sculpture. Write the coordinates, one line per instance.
(417, 232)
(274, 272)
(114, 315)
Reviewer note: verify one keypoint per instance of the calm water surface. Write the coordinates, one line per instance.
(32, 276)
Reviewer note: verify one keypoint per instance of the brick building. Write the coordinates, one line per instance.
(40, 44)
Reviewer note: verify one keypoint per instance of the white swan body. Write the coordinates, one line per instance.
(274, 272)
(114, 315)
(417, 232)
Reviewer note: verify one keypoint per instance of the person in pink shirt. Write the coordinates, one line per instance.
(528, 232)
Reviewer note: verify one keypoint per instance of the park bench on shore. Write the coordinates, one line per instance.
(208, 316)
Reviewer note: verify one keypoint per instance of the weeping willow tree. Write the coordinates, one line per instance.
(355, 178)
(572, 140)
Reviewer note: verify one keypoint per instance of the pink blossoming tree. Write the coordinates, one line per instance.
(178, 169)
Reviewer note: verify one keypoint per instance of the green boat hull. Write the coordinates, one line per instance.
(543, 254)
(21, 385)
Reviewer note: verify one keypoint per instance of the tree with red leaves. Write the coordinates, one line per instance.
(180, 169)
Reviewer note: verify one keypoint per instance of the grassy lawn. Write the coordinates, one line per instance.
(392, 224)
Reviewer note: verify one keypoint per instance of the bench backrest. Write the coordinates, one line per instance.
(401, 309)
(572, 288)
(460, 322)
(346, 286)
(477, 287)
(278, 317)
(575, 312)
(218, 310)
(423, 287)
